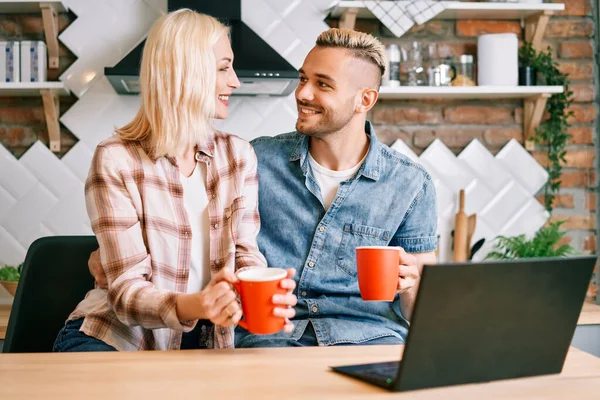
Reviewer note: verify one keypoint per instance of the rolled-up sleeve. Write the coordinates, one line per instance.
(123, 254)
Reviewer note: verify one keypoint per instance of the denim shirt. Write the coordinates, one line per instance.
(390, 201)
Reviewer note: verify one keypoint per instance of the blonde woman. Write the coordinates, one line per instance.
(173, 204)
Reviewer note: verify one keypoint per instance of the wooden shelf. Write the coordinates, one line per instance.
(460, 10)
(533, 16)
(535, 98)
(50, 92)
(31, 89)
(466, 92)
(29, 6)
(49, 10)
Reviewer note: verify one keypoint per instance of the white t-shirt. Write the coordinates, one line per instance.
(329, 181)
(195, 202)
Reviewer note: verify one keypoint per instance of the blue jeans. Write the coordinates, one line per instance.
(244, 339)
(71, 339)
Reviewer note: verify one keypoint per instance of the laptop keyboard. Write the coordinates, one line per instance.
(385, 371)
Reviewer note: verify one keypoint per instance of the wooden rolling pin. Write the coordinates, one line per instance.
(460, 230)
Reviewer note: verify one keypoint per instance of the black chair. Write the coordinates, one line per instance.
(54, 279)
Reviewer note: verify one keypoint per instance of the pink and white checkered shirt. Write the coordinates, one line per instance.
(135, 204)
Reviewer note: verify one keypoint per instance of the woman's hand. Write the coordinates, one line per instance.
(288, 300)
(217, 302)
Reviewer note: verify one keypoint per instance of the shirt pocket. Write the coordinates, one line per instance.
(353, 236)
(233, 216)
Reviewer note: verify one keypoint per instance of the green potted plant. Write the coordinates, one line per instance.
(545, 243)
(9, 277)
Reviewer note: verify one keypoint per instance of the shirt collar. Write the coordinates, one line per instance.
(370, 168)
(207, 148)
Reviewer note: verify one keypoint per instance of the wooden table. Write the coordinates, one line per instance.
(590, 314)
(4, 314)
(286, 373)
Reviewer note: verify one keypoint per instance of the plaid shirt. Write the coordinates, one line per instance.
(135, 204)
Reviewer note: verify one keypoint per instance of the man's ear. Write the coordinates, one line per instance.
(366, 101)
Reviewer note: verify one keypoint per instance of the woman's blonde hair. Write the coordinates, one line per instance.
(178, 80)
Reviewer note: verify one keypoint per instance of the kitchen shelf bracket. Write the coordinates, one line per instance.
(532, 117)
(535, 26)
(51, 111)
(50, 19)
(348, 18)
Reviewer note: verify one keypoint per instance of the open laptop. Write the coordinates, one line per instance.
(479, 322)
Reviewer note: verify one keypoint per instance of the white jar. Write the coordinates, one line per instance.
(498, 60)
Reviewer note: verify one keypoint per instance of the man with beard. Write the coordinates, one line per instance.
(330, 187)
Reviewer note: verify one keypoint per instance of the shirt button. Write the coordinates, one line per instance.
(215, 226)
(311, 264)
(223, 331)
(214, 196)
(216, 262)
(186, 235)
(303, 293)
(315, 308)
(321, 229)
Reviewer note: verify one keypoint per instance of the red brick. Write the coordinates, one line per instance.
(406, 115)
(541, 157)
(498, 137)
(19, 115)
(589, 243)
(577, 70)
(478, 115)
(576, 50)
(423, 138)
(389, 134)
(564, 240)
(573, 158)
(439, 28)
(474, 28)
(590, 201)
(575, 222)
(582, 93)
(581, 135)
(519, 115)
(577, 8)
(567, 28)
(17, 136)
(580, 158)
(582, 113)
(455, 49)
(560, 201)
(452, 137)
(578, 179)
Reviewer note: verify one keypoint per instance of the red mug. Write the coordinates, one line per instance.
(256, 288)
(377, 268)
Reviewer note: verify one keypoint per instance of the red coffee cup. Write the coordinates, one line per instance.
(377, 268)
(256, 287)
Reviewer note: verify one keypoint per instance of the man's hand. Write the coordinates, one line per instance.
(288, 300)
(96, 270)
(409, 272)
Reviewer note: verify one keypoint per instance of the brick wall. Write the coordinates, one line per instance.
(22, 120)
(457, 123)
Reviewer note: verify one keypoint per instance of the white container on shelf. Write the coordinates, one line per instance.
(498, 60)
(33, 61)
(9, 61)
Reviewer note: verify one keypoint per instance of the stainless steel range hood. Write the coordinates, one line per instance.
(261, 70)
